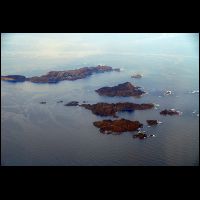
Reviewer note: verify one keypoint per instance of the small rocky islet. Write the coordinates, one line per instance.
(103, 109)
(170, 112)
(152, 122)
(122, 90)
(72, 103)
(136, 75)
(110, 109)
(140, 135)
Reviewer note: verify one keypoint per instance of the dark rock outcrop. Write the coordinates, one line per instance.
(56, 76)
(152, 122)
(43, 102)
(72, 103)
(123, 90)
(170, 112)
(117, 126)
(116, 69)
(107, 109)
(140, 135)
(13, 78)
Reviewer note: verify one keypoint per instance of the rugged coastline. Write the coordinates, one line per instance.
(107, 109)
(56, 76)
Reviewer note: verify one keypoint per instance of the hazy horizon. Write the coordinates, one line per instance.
(23, 53)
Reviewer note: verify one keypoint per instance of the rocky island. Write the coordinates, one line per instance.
(170, 112)
(117, 126)
(124, 90)
(136, 75)
(72, 103)
(56, 76)
(110, 109)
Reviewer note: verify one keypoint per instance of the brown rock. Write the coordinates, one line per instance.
(170, 112)
(106, 109)
(124, 90)
(118, 126)
(152, 122)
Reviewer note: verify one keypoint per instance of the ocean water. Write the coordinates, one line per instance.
(34, 134)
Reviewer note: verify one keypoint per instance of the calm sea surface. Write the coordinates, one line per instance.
(53, 134)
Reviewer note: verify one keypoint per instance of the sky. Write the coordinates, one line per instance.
(21, 52)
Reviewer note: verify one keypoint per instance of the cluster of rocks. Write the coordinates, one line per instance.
(142, 135)
(110, 109)
(103, 109)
